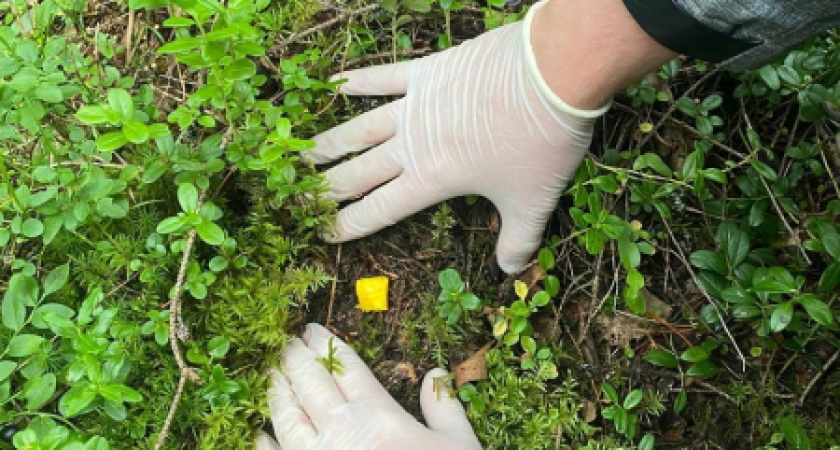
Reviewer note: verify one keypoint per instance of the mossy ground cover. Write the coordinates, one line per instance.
(160, 239)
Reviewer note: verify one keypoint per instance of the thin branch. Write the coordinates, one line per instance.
(303, 34)
(332, 289)
(171, 414)
(714, 304)
(178, 331)
(673, 107)
(817, 378)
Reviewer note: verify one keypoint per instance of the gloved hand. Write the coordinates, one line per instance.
(476, 119)
(348, 409)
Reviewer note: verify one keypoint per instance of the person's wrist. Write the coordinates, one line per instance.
(587, 50)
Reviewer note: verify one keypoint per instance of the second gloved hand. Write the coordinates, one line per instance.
(347, 409)
(477, 119)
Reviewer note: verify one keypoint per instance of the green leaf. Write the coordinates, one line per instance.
(171, 224)
(770, 77)
(115, 209)
(120, 101)
(552, 285)
(450, 281)
(92, 114)
(716, 175)
(6, 369)
(546, 259)
(158, 130)
(210, 233)
(181, 45)
(680, 401)
(24, 345)
(635, 280)
(153, 172)
(709, 260)
(817, 309)
(653, 161)
(49, 93)
(52, 225)
(610, 392)
(695, 354)
(218, 263)
(469, 301)
(38, 390)
(174, 22)
(781, 317)
(241, 69)
(111, 141)
(711, 102)
(831, 243)
(56, 279)
(764, 170)
(789, 75)
(633, 399)
(704, 126)
(119, 393)
(218, 347)
(647, 442)
(702, 369)
(830, 278)
(76, 399)
(420, 6)
(188, 197)
(662, 358)
(32, 228)
(795, 435)
(628, 253)
(540, 299)
(135, 131)
(22, 291)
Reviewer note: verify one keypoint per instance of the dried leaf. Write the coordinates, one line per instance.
(406, 370)
(473, 368)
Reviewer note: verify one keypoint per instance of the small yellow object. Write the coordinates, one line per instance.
(372, 293)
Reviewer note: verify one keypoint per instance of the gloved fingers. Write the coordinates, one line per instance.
(364, 131)
(311, 382)
(442, 409)
(359, 175)
(386, 79)
(385, 206)
(265, 442)
(521, 234)
(356, 381)
(291, 425)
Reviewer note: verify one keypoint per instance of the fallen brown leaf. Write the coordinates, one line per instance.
(473, 368)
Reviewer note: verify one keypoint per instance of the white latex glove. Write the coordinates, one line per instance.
(312, 408)
(476, 119)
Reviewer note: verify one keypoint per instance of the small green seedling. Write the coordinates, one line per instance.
(332, 363)
(453, 300)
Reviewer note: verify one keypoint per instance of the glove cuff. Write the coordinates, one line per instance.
(542, 86)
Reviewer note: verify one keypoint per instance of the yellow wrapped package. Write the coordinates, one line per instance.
(372, 293)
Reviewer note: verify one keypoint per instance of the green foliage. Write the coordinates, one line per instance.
(330, 362)
(453, 301)
(622, 414)
(102, 188)
(517, 408)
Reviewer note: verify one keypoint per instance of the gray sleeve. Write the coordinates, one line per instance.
(777, 24)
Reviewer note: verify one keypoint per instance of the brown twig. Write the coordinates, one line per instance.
(294, 37)
(673, 107)
(817, 378)
(680, 254)
(332, 289)
(179, 331)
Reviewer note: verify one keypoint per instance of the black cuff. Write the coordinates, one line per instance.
(678, 31)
